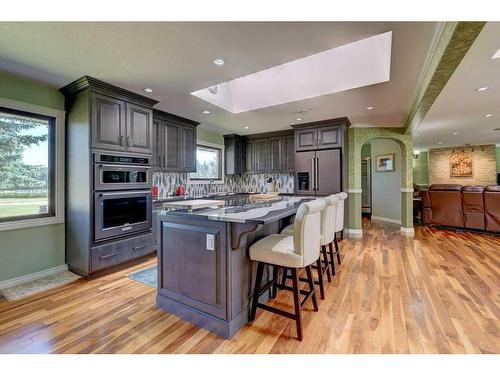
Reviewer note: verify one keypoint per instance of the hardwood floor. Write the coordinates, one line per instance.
(438, 292)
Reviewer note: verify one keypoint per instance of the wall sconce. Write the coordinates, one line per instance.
(416, 154)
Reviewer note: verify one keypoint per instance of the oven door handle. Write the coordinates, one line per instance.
(131, 167)
(131, 193)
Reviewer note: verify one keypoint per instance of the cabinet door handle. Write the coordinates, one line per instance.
(108, 256)
(317, 174)
(139, 247)
(164, 164)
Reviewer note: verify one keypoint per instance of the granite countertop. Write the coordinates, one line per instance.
(239, 209)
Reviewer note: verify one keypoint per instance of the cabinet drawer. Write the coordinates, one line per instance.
(119, 252)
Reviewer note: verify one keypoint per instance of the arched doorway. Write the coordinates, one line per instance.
(357, 138)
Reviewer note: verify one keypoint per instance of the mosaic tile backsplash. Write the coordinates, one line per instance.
(168, 181)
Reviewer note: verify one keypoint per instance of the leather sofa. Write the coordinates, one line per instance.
(470, 207)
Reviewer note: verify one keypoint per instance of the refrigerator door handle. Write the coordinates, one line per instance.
(317, 174)
(313, 174)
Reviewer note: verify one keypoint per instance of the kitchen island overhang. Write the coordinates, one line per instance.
(205, 275)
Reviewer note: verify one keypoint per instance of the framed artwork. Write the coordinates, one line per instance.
(385, 163)
(461, 164)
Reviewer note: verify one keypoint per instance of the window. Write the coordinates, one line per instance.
(27, 176)
(209, 161)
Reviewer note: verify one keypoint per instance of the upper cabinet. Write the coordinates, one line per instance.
(120, 120)
(234, 154)
(175, 144)
(259, 153)
(320, 135)
(139, 129)
(108, 122)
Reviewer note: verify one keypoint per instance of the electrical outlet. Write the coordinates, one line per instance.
(210, 242)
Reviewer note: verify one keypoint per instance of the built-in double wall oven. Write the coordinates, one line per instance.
(122, 195)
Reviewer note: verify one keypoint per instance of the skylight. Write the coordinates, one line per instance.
(362, 63)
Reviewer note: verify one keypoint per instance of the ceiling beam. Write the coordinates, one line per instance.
(453, 42)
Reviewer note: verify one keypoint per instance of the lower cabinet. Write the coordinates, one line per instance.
(194, 274)
(114, 253)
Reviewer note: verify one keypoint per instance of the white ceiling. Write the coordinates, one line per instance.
(459, 108)
(176, 59)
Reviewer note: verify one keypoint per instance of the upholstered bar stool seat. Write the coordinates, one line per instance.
(288, 230)
(276, 249)
(289, 253)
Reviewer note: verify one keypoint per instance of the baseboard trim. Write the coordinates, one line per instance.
(407, 231)
(33, 276)
(354, 232)
(386, 219)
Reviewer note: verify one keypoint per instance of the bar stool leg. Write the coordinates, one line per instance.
(320, 279)
(310, 281)
(337, 249)
(325, 258)
(296, 302)
(332, 259)
(256, 291)
(274, 289)
(283, 276)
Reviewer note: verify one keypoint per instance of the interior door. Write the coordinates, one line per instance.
(304, 172)
(328, 171)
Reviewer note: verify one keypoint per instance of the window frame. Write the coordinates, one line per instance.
(56, 165)
(220, 149)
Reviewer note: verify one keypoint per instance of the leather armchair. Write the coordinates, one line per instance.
(446, 202)
(492, 208)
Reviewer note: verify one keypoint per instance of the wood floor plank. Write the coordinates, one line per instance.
(437, 292)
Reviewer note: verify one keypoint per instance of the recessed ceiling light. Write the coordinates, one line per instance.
(246, 127)
(219, 62)
(299, 119)
(483, 88)
(440, 143)
(147, 89)
(456, 133)
(488, 115)
(206, 112)
(369, 108)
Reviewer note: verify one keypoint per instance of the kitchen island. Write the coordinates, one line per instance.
(205, 275)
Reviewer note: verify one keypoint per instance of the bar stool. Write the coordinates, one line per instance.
(328, 216)
(290, 253)
(339, 227)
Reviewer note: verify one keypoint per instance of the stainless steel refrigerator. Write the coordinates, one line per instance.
(318, 172)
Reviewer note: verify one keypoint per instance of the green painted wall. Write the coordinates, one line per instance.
(421, 169)
(209, 136)
(386, 186)
(25, 251)
(357, 137)
(27, 91)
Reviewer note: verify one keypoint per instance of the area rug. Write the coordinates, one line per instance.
(43, 284)
(147, 276)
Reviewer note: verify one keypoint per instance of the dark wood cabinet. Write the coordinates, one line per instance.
(306, 139)
(249, 162)
(234, 154)
(174, 146)
(172, 134)
(329, 137)
(108, 122)
(288, 153)
(272, 152)
(261, 156)
(188, 149)
(275, 155)
(139, 129)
